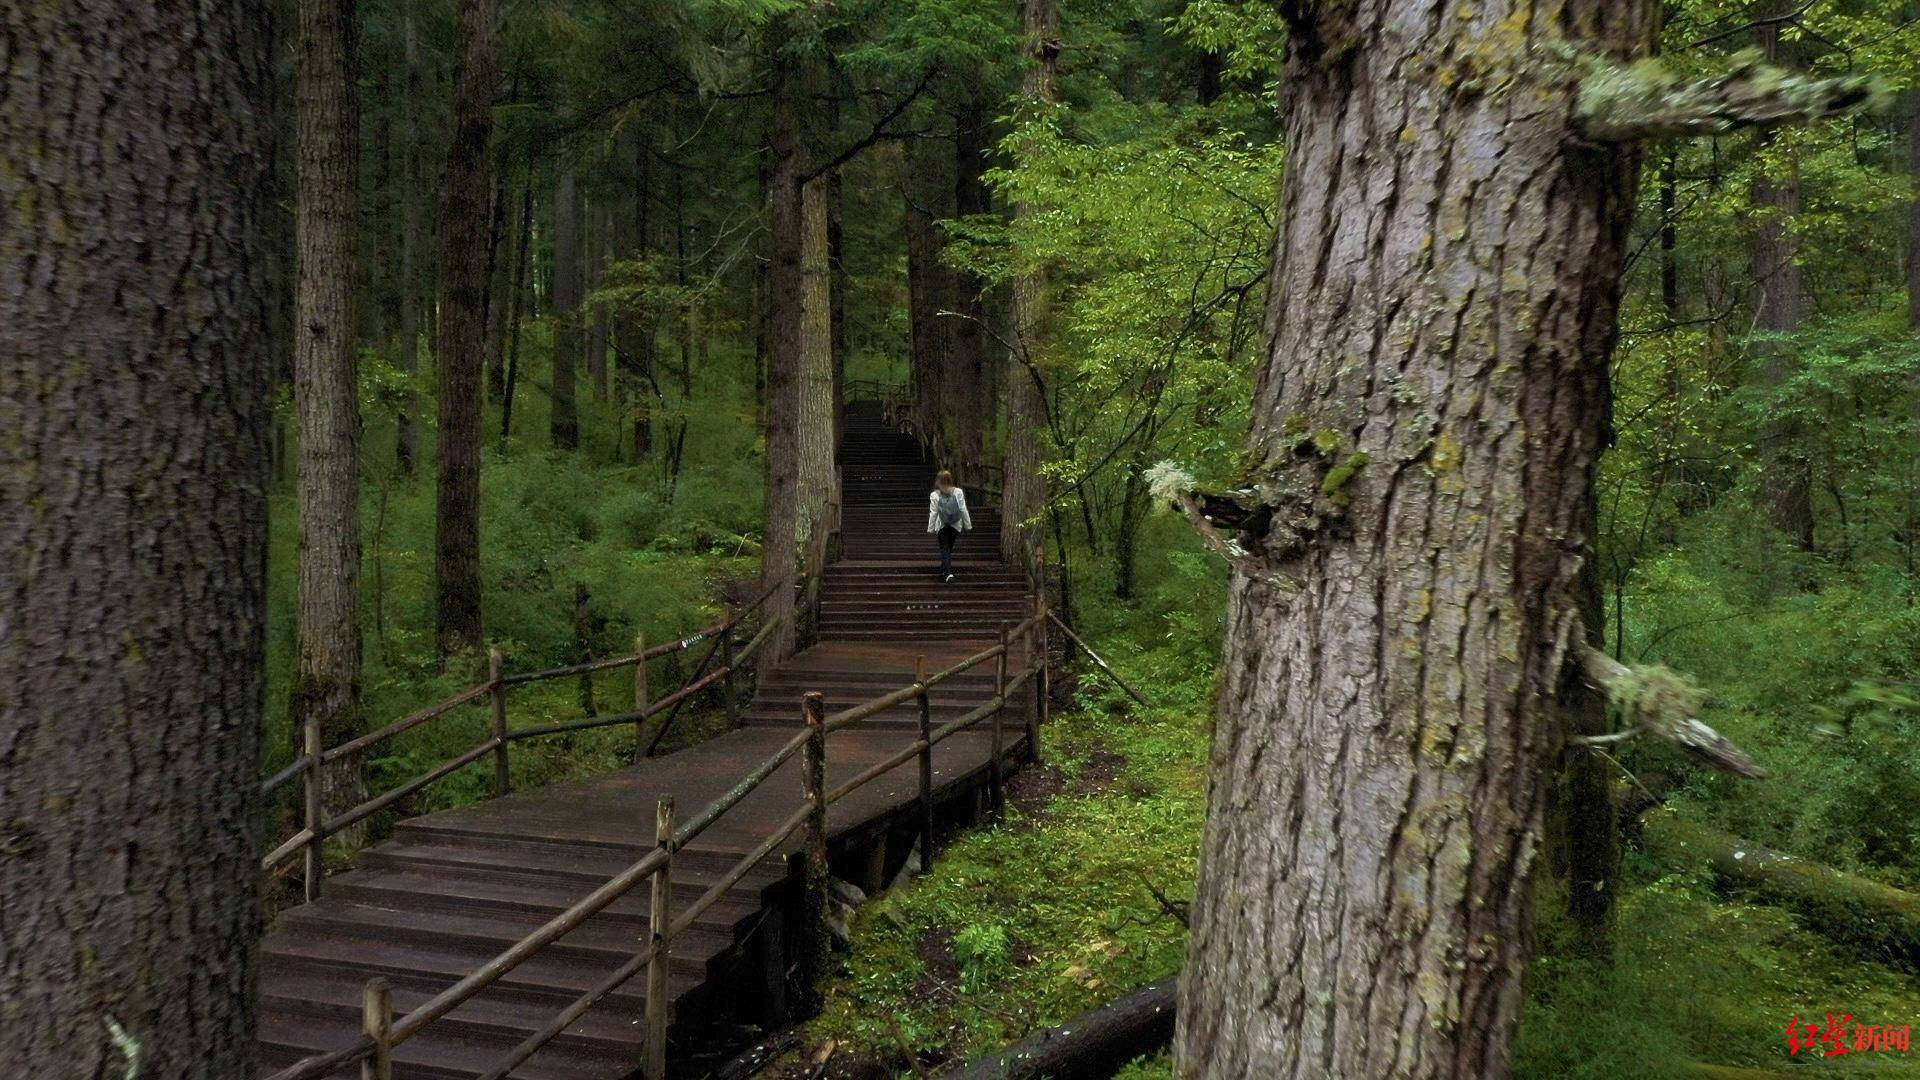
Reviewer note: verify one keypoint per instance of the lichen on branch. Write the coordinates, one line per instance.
(1658, 701)
(1647, 99)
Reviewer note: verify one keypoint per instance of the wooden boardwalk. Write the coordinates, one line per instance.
(450, 891)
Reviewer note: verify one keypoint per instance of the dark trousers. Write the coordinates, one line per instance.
(948, 534)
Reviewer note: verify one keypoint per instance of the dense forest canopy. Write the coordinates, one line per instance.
(1431, 406)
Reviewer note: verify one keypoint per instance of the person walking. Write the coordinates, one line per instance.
(947, 518)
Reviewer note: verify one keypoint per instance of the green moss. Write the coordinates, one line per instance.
(1338, 477)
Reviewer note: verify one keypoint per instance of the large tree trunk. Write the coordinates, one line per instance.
(817, 397)
(929, 291)
(837, 291)
(763, 288)
(326, 684)
(785, 493)
(1443, 297)
(1025, 491)
(135, 171)
(463, 331)
(968, 409)
(564, 422)
(412, 296)
(1779, 305)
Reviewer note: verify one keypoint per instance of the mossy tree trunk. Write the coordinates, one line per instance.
(1426, 429)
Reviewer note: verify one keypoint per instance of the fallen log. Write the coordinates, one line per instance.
(1091, 1046)
(1877, 920)
(1099, 1043)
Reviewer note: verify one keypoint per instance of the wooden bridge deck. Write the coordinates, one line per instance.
(451, 890)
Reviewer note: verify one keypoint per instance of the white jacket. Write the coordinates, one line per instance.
(933, 511)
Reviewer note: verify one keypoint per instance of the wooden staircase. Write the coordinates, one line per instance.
(452, 890)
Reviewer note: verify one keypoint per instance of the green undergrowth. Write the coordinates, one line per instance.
(1698, 977)
(1049, 913)
(658, 555)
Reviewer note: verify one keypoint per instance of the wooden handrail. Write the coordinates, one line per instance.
(1099, 663)
(316, 833)
(406, 723)
(294, 768)
(653, 862)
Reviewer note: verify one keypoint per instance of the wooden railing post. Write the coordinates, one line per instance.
(727, 696)
(314, 865)
(999, 714)
(376, 1023)
(814, 942)
(1040, 688)
(659, 964)
(640, 696)
(926, 764)
(496, 662)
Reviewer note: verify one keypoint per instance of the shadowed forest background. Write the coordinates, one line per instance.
(1758, 508)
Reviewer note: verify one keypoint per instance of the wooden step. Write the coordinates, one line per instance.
(336, 996)
(288, 1035)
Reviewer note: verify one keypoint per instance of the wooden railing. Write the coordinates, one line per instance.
(317, 827)
(382, 1032)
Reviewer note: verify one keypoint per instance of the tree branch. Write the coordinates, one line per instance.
(878, 133)
(1648, 100)
(1656, 701)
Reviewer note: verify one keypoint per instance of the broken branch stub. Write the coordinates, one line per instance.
(1649, 100)
(1657, 701)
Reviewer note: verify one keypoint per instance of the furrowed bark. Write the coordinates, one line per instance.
(135, 168)
(1425, 434)
(463, 331)
(326, 392)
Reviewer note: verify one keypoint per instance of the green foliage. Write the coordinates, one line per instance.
(1697, 979)
(1047, 914)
